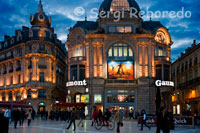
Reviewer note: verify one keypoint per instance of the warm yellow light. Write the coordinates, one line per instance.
(25, 96)
(173, 98)
(193, 95)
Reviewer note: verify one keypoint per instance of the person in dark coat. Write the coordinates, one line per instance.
(33, 114)
(163, 121)
(81, 116)
(16, 117)
(144, 117)
(72, 119)
(100, 115)
(22, 117)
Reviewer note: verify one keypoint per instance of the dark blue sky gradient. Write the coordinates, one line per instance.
(15, 13)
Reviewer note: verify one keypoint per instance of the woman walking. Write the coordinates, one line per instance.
(29, 117)
(118, 119)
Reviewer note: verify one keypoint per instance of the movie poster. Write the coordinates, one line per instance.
(122, 70)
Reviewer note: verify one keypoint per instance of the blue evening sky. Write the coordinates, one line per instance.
(15, 13)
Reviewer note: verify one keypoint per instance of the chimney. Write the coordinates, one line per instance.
(6, 37)
(194, 43)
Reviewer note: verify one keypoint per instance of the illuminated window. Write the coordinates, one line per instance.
(160, 51)
(120, 5)
(120, 50)
(78, 98)
(120, 29)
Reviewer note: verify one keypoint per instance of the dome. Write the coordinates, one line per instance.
(119, 5)
(40, 19)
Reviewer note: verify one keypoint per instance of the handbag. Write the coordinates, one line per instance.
(121, 124)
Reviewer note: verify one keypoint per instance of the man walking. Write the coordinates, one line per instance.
(73, 118)
(144, 116)
(29, 117)
(118, 119)
(22, 117)
(81, 116)
(16, 116)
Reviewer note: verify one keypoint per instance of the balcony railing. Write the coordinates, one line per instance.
(114, 81)
(189, 83)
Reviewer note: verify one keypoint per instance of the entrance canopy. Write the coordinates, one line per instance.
(68, 104)
(14, 105)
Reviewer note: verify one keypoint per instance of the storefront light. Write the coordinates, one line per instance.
(178, 109)
(68, 91)
(86, 90)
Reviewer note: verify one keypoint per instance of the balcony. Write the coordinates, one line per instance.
(78, 58)
(42, 66)
(189, 84)
(161, 58)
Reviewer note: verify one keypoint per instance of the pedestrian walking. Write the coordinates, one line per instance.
(118, 119)
(144, 116)
(100, 115)
(22, 117)
(94, 116)
(16, 117)
(29, 117)
(131, 113)
(33, 114)
(81, 116)
(7, 114)
(72, 119)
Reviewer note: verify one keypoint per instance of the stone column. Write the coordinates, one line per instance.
(34, 61)
(54, 72)
(49, 70)
(7, 75)
(14, 75)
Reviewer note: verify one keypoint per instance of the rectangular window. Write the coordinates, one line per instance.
(97, 98)
(112, 29)
(120, 51)
(196, 74)
(41, 77)
(115, 51)
(78, 99)
(120, 29)
(130, 52)
(110, 52)
(191, 76)
(128, 29)
(160, 51)
(125, 51)
(19, 78)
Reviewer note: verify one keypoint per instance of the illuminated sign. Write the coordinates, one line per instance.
(120, 98)
(122, 70)
(164, 83)
(97, 98)
(76, 83)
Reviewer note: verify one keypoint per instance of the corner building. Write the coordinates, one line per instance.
(120, 60)
(186, 76)
(32, 64)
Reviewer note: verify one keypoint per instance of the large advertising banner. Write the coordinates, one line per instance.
(122, 70)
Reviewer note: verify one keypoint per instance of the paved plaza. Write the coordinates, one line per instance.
(39, 126)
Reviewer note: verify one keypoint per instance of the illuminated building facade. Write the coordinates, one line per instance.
(33, 64)
(120, 60)
(186, 75)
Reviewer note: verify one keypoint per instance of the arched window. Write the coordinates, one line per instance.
(120, 51)
(120, 62)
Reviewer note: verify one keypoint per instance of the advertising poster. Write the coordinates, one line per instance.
(120, 70)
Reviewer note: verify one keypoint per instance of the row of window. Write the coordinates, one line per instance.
(120, 29)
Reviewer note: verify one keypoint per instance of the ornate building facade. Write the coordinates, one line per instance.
(186, 75)
(120, 60)
(32, 64)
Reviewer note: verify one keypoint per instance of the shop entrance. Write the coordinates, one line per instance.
(124, 109)
(41, 107)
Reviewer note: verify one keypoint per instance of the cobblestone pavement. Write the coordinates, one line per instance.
(39, 126)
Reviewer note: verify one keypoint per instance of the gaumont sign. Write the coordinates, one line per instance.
(164, 83)
(76, 83)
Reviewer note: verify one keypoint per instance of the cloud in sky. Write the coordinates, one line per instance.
(183, 31)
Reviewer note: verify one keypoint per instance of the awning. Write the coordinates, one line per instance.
(68, 104)
(14, 105)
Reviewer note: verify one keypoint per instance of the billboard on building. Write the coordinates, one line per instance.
(122, 70)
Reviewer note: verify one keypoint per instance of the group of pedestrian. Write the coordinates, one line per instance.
(60, 115)
(17, 115)
(164, 120)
